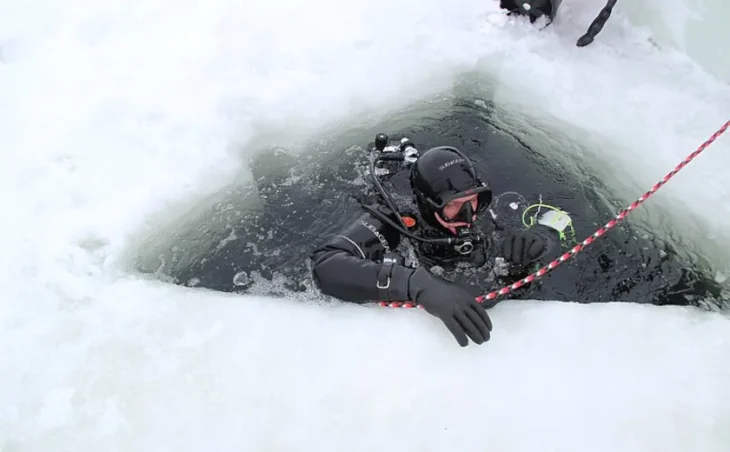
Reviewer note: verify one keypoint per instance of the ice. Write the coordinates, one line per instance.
(115, 114)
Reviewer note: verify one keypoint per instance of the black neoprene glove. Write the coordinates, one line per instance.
(458, 309)
(524, 247)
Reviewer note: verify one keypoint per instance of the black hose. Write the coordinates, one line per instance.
(385, 219)
(597, 24)
(402, 228)
(386, 196)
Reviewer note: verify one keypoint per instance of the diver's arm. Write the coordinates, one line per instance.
(350, 265)
(347, 267)
(359, 266)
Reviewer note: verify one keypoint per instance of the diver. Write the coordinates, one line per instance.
(443, 213)
(535, 9)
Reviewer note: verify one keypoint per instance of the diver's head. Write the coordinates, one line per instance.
(448, 191)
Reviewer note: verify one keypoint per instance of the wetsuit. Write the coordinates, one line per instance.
(362, 263)
(445, 206)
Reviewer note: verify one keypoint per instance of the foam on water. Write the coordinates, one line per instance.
(112, 113)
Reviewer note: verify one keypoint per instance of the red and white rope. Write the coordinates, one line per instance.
(579, 247)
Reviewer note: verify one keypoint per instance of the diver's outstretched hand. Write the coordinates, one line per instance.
(456, 307)
(523, 247)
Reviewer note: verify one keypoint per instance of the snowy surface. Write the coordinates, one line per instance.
(114, 114)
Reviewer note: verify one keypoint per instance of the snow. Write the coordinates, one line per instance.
(115, 115)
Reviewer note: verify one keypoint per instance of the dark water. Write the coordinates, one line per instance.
(267, 229)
